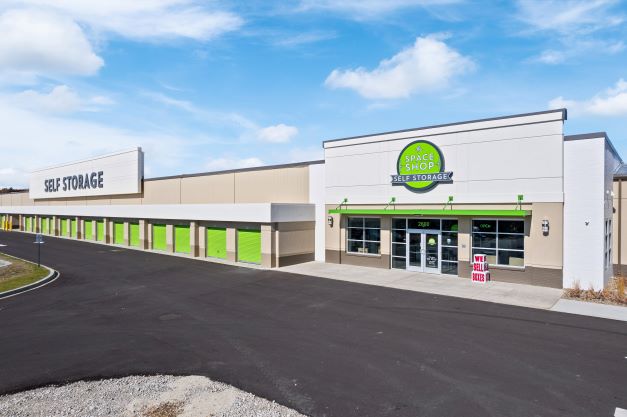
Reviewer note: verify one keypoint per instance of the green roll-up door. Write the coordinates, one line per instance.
(74, 229)
(134, 234)
(249, 246)
(89, 231)
(45, 225)
(181, 239)
(28, 224)
(64, 227)
(216, 242)
(2, 222)
(158, 237)
(100, 232)
(118, 233)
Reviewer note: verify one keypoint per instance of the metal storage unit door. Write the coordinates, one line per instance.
(28, 224)
(249, 246)
(118, 233)
(158, 237)
(216, 242)
(100, 230)
(64, 227)
(134, 234)
(181, 239)
(74, 230)
(45, 225)
(89, 231)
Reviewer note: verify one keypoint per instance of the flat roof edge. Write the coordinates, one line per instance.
(595, 135)
(233, 171)
(562, 110)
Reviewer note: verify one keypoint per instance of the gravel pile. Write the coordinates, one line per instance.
(142, 396)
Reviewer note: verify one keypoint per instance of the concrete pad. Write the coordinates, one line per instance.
(586, 308)
(495, 292)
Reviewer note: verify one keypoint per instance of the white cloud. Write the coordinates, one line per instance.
(280, 133)
(568, 16)
(147, 19)
(573, 28)
(222, 164)
(291, 41)
(368, 8)
(60, 99)
(34, 140)
(42, 43)
(612, 102)
(429, 64)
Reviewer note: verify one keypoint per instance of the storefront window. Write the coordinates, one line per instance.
(364, 235)
(503, 241)
(449, 247)
(399, 240)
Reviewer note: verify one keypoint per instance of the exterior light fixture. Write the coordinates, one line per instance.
(545, 227)
(330, 221)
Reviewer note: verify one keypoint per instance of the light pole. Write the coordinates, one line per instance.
(39, 240)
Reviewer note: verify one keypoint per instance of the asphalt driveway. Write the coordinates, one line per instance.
(323, 347)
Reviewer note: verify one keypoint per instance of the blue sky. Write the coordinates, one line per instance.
(210, 85)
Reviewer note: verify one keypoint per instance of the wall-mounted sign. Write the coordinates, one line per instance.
(420, 167)
(116, 174)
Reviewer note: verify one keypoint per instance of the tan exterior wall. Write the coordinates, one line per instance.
(619, 220)
(274, 185)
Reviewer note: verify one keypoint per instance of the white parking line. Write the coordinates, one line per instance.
(620, 412)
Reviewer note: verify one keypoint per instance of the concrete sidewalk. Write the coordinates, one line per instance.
(587, 308)
(495, 292)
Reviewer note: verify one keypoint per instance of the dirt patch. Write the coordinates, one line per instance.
(167, 409)
(614, 293)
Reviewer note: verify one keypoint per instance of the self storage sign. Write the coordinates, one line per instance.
(75, 182)
(120, 173)
(420, 167)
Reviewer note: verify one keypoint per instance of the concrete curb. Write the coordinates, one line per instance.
(52, 275)
(585, 308)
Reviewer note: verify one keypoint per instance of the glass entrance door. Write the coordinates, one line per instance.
(423, 252)
(414, 255)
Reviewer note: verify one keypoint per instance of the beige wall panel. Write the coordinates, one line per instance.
(292, 226)
(296, 242)
(332, 234)
(128, 200)
(540, 250)
(463, 239)
(162, 191)
(208, 189)
(284, 185)
(25, 201)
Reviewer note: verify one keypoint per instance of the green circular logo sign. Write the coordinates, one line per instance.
(420, 167)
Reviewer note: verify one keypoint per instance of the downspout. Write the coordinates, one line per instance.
(620, 215)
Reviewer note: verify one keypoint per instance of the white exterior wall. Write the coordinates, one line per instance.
(254, 212)
(584, 212)
(492, 162)
(316, 197)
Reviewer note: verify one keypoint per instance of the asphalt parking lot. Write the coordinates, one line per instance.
(322, 347)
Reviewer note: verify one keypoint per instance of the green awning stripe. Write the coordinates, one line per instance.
(421, 212)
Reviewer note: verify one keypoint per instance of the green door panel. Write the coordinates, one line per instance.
(100, 232)
(249, 246)
(118, 233)
(28, 224)
(134, 234)
(89, 231)
(216, 242)
(64, 227)
(45, 225)
(159, 241)
(181, 239)
(74, 229)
